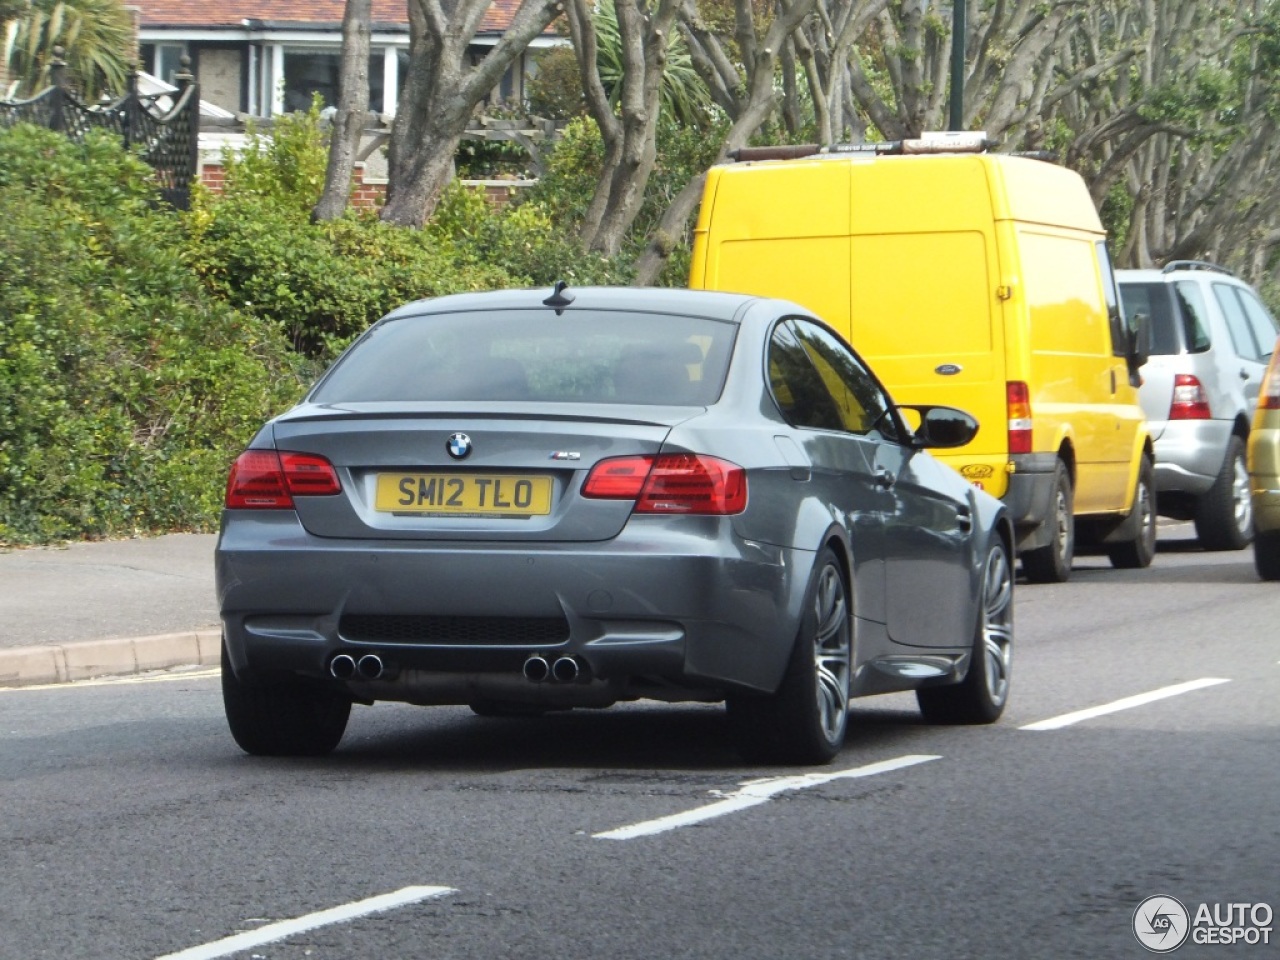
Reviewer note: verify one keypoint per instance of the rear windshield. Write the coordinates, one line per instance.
(1175, 315)
(534, 355)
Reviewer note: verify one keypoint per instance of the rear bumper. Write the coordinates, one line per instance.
(679, 602)
(1190, 454)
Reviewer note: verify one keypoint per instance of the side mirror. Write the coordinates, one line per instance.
(942, 427)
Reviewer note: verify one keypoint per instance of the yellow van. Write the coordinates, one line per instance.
(971, 279)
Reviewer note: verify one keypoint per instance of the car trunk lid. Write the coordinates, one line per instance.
(473, 471)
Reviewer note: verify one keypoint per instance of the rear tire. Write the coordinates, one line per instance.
(1266, 554)
(1224, 513)
(982, 695)
(1141, 550)
(805, 721)
(283, 718)
(1052, 562)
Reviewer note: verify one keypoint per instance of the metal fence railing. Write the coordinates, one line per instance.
(166, 127)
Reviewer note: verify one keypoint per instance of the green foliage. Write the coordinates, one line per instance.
(684, 96)
(323, 284)
(125, 390)
(284, 168)
(527, 239)
(555, 92)
(1116, 214)
(97, 38)
(574, 167)
(572, 170)
(493, 160)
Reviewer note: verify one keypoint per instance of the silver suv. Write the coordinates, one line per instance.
(1210, 338)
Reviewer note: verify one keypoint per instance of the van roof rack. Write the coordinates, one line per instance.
(929, 143)
(1173, 265)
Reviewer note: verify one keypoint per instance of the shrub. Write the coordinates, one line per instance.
(125, 389)
(322, 284)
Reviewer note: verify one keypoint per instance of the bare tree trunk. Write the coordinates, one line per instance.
(353, 105)
(442, 90)
(629, 135)
(756, 99)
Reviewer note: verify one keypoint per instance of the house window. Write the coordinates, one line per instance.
(167, 61)
(308, 72)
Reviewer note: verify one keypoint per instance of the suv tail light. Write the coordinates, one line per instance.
(267, 480)
(1190, 402)
(1018, 400)
(1269, 395)
(686, 483)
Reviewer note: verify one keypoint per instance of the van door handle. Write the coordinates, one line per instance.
(1113, 381)
(884, 478)
(1244, 374)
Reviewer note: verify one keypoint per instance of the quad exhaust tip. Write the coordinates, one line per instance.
(565, 670)
(368, 667)
(538, 669)
(343, 666)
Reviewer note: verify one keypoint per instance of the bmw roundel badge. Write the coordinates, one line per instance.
(459, 446)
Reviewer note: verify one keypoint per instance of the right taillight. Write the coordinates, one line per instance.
(1190, 402)
(687, 483)
(1018, 400)
(268, 480)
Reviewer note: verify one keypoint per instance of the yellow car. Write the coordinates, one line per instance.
(1264, 474)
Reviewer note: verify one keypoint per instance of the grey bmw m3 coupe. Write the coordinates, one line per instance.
(527, 501)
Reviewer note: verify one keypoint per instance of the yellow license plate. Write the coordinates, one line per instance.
(464, 494)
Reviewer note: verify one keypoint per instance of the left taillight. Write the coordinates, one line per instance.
(269, 480)
(684, 483)
(1269, 395)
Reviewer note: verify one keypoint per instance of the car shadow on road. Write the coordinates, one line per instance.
(634, 737)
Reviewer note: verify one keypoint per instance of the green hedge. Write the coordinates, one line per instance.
(125, 388)
(140, 349)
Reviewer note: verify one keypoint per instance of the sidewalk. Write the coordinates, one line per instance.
(107, 608)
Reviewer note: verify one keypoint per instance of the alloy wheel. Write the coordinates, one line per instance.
(997, 625)
(832, 651)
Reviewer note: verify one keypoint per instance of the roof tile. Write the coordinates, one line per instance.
(232, 13)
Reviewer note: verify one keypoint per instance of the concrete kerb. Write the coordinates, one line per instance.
(65, 663)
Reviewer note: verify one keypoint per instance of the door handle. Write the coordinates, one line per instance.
(884, 478)
(1244, 374)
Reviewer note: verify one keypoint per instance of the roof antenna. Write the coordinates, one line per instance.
(559, 299)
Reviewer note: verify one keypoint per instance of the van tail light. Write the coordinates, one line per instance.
(1018, 400)
(1190, 402)
(268, 480)
(1269, 395)
(686, 483)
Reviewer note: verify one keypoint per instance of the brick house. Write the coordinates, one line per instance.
(265, 57)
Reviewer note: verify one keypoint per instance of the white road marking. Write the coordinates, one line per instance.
(116, 681)
(288, 928)
(755, 793)
(1067, 719)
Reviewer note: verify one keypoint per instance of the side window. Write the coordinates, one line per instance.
(1237, 323)
(1116, 319)
(1195, 317)
(1262, 323)
(859, 400)
(1152, 302)
(796, 386)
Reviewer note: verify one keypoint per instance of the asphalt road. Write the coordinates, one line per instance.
(134, 828)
